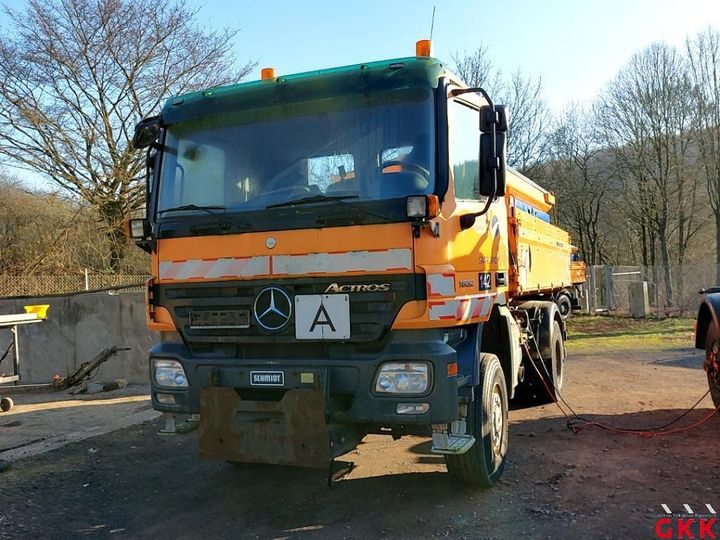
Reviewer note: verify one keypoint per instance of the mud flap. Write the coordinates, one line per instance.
(291, 431)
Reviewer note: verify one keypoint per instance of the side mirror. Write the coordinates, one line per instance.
(146, 132)
(501, 118)
(494, 122)
(492, 164)
(493, 126)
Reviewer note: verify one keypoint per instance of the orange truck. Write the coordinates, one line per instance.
(344, 252)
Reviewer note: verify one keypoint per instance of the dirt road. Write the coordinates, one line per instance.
(135, 484)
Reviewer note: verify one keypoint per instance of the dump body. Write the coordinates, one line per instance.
(294, 281)
(578, 272)
(541, 251)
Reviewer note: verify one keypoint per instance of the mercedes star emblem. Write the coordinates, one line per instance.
(272, 308)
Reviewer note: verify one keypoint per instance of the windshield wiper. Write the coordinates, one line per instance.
(209, 209)
(312, 199)
(328, 198)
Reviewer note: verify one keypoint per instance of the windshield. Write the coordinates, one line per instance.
(349, 149)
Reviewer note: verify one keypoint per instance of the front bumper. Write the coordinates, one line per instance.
(347, 383)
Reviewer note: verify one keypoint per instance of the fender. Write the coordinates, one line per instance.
(707, 314)
(547, 313)
(499, 335)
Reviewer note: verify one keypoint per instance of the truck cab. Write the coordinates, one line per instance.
(330, 258)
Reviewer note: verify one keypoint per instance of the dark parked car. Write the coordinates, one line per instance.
(707, 336)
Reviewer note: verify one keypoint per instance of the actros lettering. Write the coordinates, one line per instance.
(373, 287)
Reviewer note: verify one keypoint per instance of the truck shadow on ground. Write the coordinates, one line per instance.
(152, 486)
(687, 357)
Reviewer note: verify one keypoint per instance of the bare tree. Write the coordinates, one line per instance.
(646, 117)
(76, 75)
(523, 95)
(527, 130)
(38, 231)
(703, 53)
(476, 69)
(578, 172)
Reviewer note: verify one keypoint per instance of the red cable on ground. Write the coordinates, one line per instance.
(574, 420)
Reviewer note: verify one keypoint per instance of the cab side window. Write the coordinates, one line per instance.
(464, 149)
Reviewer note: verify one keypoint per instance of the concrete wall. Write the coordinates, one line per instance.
(78, 328)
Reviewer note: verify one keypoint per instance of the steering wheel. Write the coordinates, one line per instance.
(408, 165)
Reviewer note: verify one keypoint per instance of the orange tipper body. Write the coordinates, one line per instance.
(315, 274)
(579, 272)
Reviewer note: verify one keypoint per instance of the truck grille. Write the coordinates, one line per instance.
(222, 313)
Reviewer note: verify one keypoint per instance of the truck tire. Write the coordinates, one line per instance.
(712, 361)
(564, 304)
(487, 421)
(533, 389)
(6, 404)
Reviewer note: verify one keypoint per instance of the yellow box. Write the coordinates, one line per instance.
(40, 309)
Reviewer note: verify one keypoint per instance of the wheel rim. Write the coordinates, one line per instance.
(497, 421)
(564, 307)
(712, 367)
(558, 365)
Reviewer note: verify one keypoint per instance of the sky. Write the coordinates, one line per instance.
(576, 47)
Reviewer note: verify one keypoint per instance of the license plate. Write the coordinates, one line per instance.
(216, 320)
(322, 316)
(267, 378)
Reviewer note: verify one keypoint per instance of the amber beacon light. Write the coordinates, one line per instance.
(267, 73)
(423, 47)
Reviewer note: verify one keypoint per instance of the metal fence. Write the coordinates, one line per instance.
(48, 285)
(672, 291)
(606, 289)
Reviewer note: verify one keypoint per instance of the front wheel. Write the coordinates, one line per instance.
(712, 362)
(487, 421)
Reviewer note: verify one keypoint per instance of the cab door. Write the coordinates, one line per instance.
(481, 250)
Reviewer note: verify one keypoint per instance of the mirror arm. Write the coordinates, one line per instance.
(459, 91)
(468, 220)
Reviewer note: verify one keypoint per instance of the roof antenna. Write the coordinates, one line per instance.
(432, 24)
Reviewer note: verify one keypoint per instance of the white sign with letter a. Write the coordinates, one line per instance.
(322, 316)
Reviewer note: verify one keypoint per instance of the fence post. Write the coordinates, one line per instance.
(608, 287)
(591, 292)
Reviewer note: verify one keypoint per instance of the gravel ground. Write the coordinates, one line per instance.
(133, 483)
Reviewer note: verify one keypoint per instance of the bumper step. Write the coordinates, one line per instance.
(451, 444)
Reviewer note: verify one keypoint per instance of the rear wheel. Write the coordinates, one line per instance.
(712, 362)
(487, 421)
(564, 304)
(552, 371)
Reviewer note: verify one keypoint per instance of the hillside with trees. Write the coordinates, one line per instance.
(636, 171)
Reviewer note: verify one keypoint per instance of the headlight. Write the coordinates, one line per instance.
(169, 374)
(403, 378)
(416, 206)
